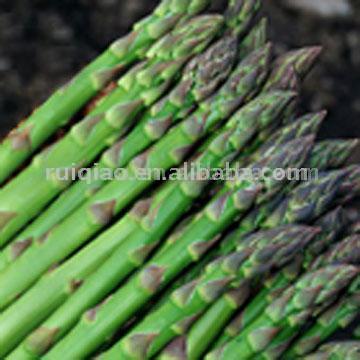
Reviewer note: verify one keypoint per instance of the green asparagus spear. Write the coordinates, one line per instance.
(266, 252)
(301, 60)
(256, 38)
(342, 350)
(336, 317)
(332, 153)
(197, 238)
(289, 210)
(292, 308)
(162, 211)
(350, 188)
(284, 77)
(200, 79)
(332, 225)
(303, 126)
(159, 271)
(139, 88)
(336, 255)
(346, 251)
(248, 76)
(61, 106)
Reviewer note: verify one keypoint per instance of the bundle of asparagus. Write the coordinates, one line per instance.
(211, 267)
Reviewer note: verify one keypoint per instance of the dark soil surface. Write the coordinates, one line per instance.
(44, 42)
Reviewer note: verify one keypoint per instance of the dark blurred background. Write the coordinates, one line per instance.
(44, 42)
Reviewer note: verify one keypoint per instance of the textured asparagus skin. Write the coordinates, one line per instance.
(161, 212)
(200, 79)
(205, 330)
(61, 106)
(282, 341)
(292, 308)
(332, 153)
(289, 210)
(346, 251)
(205, 71)
(301, 60)
(237, 22)
(338, 316)
(256, 38)
(303, 126)
(350, 188)
(342, 350)
(332, 225)
(155, 274)
(199, 234)
(139, 88)
(223, 309)
(285, 77)
(240, 86)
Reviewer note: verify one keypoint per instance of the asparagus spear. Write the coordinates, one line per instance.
(305, 125)
(336, 317)
(332, 224)
(339, 254)
(292, 308)
(61, 106)
(256, 38)
(188, 236)
(289, 210)
(332, 153)
(157, 120)
(342, 350)
(220, 106)
(158, 272)
(350, 188)
(264, 247)
(302, 60)
(197, 237)
(137, 89)
(200, 79)
(162, 211)
(288, 70)
(346, 251)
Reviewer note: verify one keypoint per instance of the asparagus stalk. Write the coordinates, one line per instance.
(61, 106)
(289, 210)
(285, 77)
(336, 317)
(161, 212)
(350, 188)
(331, 224)
(139, 88)
(156, 121)
(303, 126)
(346, 251)
(256, 38)
(182, 137)
(190, 235)
(342, 350)
(281, 342)
(158, 272)
(200, 79)
(264, 247)
(301, 60)
(197, 238)
(332, 153)
(292, 308)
